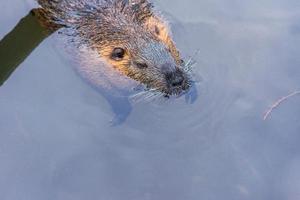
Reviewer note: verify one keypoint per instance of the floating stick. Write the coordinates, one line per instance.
(278, 103)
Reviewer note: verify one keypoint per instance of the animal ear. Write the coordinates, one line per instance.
(142, 9)
(122, 4)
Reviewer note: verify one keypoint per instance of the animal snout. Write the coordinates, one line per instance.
(175, 79)
(168, 68)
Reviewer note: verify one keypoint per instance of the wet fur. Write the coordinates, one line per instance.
(97, 27)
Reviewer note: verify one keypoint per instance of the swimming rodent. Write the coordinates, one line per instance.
(129, 36)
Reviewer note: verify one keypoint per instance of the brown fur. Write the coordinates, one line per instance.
(104, 25)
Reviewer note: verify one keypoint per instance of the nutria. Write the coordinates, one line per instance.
(132, 40)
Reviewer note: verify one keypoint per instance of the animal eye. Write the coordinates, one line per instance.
(118, 54)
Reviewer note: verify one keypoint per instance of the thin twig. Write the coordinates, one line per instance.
(278, 103)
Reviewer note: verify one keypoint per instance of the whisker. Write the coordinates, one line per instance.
(191, 60)
(136, 95)
(146, 94)
(151, 94)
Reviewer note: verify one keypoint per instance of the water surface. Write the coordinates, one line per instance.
(56, 141)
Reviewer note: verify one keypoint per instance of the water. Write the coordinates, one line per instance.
(56, 141)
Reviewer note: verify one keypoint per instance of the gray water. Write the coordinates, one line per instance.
(56, 141)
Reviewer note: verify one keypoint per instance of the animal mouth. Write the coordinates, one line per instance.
(177, 83)
(177, 91)
(165, 92)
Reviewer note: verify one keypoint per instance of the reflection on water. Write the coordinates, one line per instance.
(56, 142)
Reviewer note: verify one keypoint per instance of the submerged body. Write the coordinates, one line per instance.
(132, 44)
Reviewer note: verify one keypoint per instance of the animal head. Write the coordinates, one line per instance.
(131, 37)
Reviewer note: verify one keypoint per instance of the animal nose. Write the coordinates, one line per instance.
(175, 79)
